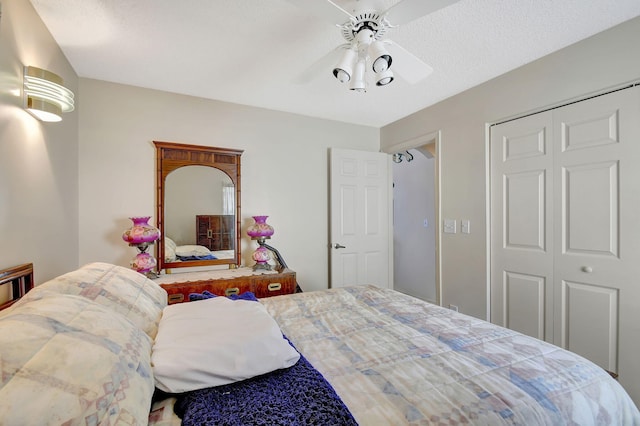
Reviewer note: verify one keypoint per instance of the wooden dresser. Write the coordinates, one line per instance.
(215, 232)
(226, 282)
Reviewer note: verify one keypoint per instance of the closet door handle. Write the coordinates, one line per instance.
(587, 269)
(338, 246)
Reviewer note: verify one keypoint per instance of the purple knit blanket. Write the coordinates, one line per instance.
(297, 396)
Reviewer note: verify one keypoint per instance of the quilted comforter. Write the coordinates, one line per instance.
(396, 360)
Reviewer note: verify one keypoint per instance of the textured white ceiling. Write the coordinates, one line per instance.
(261, 52)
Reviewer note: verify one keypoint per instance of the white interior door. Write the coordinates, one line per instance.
(565, 230)
(360, 229)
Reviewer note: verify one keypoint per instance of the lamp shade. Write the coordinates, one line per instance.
(344, 69)
(380, 58)
(384, 78)
(141, 232)
(45, 96)
(260, 229)
(357, 83)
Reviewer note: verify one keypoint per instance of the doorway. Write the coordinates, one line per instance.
(416, 213)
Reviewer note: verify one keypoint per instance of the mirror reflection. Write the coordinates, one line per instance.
(199, 215)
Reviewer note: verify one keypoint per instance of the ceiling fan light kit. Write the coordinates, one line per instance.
(364, 30)
(365, 52)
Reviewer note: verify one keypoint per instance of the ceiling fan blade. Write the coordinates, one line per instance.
(408, 10)
(325, 9)
(323, 66)
(408, 66)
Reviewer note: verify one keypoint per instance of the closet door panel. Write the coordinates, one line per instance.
(590, 205)
(597, 231)
(590, 322)
(521, 248)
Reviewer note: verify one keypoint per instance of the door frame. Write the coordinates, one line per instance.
(417, 142)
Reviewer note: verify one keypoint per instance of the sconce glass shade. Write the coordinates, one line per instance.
(45, 97)
(141, 235)
(260, 229)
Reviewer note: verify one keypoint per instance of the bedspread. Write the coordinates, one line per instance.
(394, 359)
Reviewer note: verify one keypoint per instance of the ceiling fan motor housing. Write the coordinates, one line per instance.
(365, 19)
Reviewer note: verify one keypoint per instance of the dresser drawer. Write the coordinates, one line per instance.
(274, 287)
(179, 292)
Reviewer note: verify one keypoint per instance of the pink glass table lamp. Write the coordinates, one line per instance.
(141, 235)
(261, 231)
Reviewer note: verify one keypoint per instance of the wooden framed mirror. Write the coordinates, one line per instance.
(197, 205)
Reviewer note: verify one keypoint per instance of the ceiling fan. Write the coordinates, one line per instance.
(364, 28)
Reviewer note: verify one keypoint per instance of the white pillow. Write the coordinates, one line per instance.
(217, 341)
(169, 254)
(168, 242)
(192, 250)
(169, 250)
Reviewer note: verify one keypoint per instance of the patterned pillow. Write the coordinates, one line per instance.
(65, 359)
(120, 289)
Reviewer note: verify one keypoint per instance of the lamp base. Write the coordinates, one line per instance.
(144, 263)
(262, 266)
(262, 257)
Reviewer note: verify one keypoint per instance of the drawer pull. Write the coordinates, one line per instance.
(274, 286)
(176, 298)
(232, 290)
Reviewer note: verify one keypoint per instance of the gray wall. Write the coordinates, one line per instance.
(38, 161)
(284, 168)
(602, 61)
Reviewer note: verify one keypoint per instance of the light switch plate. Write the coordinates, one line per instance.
(449, 226)
(465, 224)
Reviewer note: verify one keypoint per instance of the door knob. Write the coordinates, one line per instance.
(587, 269)
(338, 246)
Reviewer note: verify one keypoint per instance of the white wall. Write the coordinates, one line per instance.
(38, 161)
(284, 168)
(602, 61)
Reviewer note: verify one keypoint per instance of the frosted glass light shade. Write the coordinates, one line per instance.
(45, 97)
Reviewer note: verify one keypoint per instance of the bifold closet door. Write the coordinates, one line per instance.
(521, 235)
(565, 218)
(597, 231)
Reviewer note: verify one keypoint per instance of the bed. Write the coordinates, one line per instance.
(79, 350)
(187, 252)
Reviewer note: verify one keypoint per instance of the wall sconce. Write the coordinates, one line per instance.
(45, 97)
